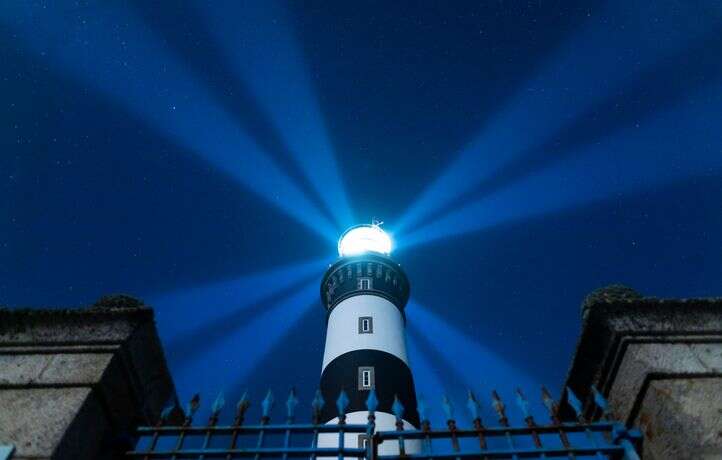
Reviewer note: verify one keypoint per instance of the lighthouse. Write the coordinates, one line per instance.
(364, 293)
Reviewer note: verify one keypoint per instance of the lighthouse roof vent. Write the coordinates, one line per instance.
(363, 239)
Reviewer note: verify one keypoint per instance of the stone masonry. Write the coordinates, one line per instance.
(659, 363)
(74, 383)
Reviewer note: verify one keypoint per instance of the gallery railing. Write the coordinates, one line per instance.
(600, 439)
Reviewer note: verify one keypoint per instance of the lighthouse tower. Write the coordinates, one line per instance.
(364, 294)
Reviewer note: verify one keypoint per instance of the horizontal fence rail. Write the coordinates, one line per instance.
(582, 439)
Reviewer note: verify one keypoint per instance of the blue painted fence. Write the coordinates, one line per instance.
(581, 439)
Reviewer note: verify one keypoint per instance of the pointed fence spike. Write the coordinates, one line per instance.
(243, 403)
(267, 404)
(522, 402)
(600, 401)
(165, 413)
(499, 407)
(423, 410)
(548, 400)
(318, 402)
(448, 407)
(574, 402)
(342, 403)
(291, 404)
(397, 408)
(473, 405)
(372, 402)
(218, 404)
(193, 405)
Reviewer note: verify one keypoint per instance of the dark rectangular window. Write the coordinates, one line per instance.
(365, 325)
(365, 378)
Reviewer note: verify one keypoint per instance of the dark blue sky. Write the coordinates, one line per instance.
(204, 158)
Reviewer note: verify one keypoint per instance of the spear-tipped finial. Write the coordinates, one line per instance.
(473, 405)
(499, 407)
(342, 403)
(218, 404)
(267, 405)
(397, 408)
(522, 403)
(165, 413)
(291, 404)
(193, 405)
(600, 401)
(575, 403)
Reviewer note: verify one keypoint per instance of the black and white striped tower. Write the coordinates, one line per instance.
(364, 294)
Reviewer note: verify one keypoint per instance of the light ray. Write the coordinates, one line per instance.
(676, 144)
(179, 312)
(477, 364)
(259, 42)
(426, 378)
(135, 70)
(580, 75)
(238, 354)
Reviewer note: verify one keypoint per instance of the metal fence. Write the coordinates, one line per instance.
(600, 439)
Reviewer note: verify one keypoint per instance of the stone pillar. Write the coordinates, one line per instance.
(659, 363)
(75, 383)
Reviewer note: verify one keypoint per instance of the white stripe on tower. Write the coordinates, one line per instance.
(382, 318)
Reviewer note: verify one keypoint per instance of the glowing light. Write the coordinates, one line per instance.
(362, 239)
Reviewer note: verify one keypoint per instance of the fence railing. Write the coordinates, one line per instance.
(601, 439)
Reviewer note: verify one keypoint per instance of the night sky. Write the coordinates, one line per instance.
(205, 157)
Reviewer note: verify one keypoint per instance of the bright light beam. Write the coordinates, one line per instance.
(426, 379)
(478, 365)
(674, 145)
(131, 67)
(259, 42)
(581, 74)
(179, 312)
(238, 354)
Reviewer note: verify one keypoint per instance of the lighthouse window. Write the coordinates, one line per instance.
(365, 378)
(365, 325)
(364, 283)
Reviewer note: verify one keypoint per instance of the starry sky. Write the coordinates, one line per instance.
(205, 157)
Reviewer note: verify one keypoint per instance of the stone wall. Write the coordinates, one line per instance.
(659, 363)
(74, 383)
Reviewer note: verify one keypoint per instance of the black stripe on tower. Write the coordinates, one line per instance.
(391, 377)
(388, 280)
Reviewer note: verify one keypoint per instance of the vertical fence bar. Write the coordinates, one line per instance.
(212, 421)
(448, 408)
(341, 404)
(266, 406)
(372, 403)
(193, 406)
(241, 408)
(291, 404)
(475, 411)
(165, 413)
(317, 404)
(553, 409)
(500, 409)
(423, 410)
(398, 409)
(578, 410)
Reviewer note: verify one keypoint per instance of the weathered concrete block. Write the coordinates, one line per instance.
(659, 363)
(74, 382)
